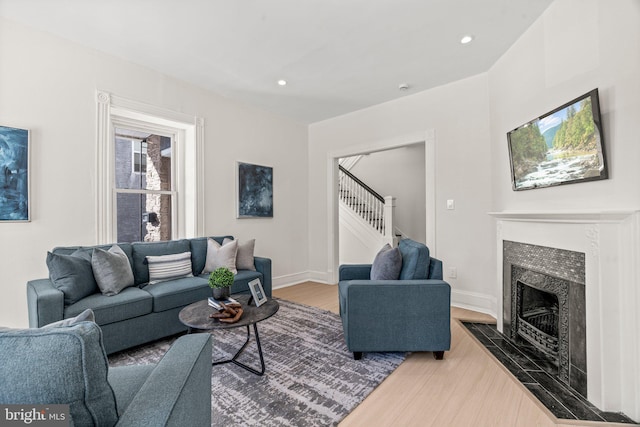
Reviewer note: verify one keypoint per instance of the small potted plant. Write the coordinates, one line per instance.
(220, 281)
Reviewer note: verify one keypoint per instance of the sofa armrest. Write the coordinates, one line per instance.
(263, 265)
(354, 272)
(178, 390)
(45, 303)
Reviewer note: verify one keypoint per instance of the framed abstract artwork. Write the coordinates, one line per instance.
(255, 191)
(14, 174)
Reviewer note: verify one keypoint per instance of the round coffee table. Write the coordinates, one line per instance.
(196, 317)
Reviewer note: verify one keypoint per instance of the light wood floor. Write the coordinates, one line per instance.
(468, 388)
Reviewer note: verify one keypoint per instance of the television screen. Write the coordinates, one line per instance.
(563, 146)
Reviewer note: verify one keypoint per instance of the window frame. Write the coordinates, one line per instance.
(187, 134)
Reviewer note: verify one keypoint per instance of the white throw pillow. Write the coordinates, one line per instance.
(221, 256)
(244, 258)
(167, 267)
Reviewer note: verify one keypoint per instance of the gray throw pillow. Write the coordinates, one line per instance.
(387, 264)
(221, 256)
(73, 275)
(112, 270)
(244, 257)
(85, 316)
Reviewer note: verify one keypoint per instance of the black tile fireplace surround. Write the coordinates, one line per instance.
(544, 309)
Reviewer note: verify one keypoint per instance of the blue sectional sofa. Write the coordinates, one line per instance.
(140, 313)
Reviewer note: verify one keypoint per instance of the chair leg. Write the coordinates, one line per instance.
(439, 355)
(357, 355)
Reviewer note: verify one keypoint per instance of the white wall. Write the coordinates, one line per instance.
(48, 85)
(399, 173)
(459, 114)
(576, 46)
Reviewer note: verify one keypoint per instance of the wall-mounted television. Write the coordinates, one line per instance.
(564, 146)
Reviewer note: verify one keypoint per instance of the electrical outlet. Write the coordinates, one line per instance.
(453, 272)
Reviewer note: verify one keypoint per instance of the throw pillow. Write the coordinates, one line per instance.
(244, 258)
(387, 264)
(112, 270)
(221, 256)
(167, 267)
(415, 260)
(72, 275)
(85, 316)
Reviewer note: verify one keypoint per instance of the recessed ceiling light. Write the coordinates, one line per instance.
(466, 39)
(282, 82)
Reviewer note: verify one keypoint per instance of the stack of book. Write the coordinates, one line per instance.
(216, 303)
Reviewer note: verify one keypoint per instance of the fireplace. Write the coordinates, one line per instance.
(537, 319)
(598, 261)
(544, 309)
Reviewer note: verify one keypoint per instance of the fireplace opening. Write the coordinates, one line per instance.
(537, 320)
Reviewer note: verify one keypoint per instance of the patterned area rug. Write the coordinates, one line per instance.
(311, 378)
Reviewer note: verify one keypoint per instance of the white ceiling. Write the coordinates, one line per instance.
(337, 55)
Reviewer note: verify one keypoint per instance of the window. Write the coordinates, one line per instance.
(149, 172)
(139, 156)
(144, 186)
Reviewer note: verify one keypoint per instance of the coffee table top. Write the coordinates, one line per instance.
(196, 315)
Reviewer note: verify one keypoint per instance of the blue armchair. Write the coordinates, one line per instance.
(409, 314)
(68, 365)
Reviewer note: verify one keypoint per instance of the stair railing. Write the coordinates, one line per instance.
(368, 204)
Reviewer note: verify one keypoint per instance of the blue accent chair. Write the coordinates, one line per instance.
(409, 314)
(68, 365)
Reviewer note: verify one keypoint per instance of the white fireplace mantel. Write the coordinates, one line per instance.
(610, 241)
(576, 217)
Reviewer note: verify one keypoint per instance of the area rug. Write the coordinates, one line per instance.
(311, 378)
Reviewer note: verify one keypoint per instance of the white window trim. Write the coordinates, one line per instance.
(188, 134)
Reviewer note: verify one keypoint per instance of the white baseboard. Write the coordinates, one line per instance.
(474, 301)
(295, 278)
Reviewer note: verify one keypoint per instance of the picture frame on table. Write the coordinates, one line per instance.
(257, 292)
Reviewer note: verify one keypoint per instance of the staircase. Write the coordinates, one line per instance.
(370, 209)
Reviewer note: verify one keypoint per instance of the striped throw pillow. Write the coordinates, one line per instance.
(167, 267)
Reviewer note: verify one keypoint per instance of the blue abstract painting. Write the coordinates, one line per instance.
(255, 191)
(14, 174)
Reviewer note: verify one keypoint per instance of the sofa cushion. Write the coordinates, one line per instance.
(221, 256)
(112, 270)
(242, 279)
(72, 274)
(141, 250)
(167, 267)
(131, 302)
(178, 292)
(126, 381)
(63, 365)
(387, 264)
(199, 252)
(415, 260)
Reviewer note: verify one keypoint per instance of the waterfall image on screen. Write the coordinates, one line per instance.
(561, 147)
